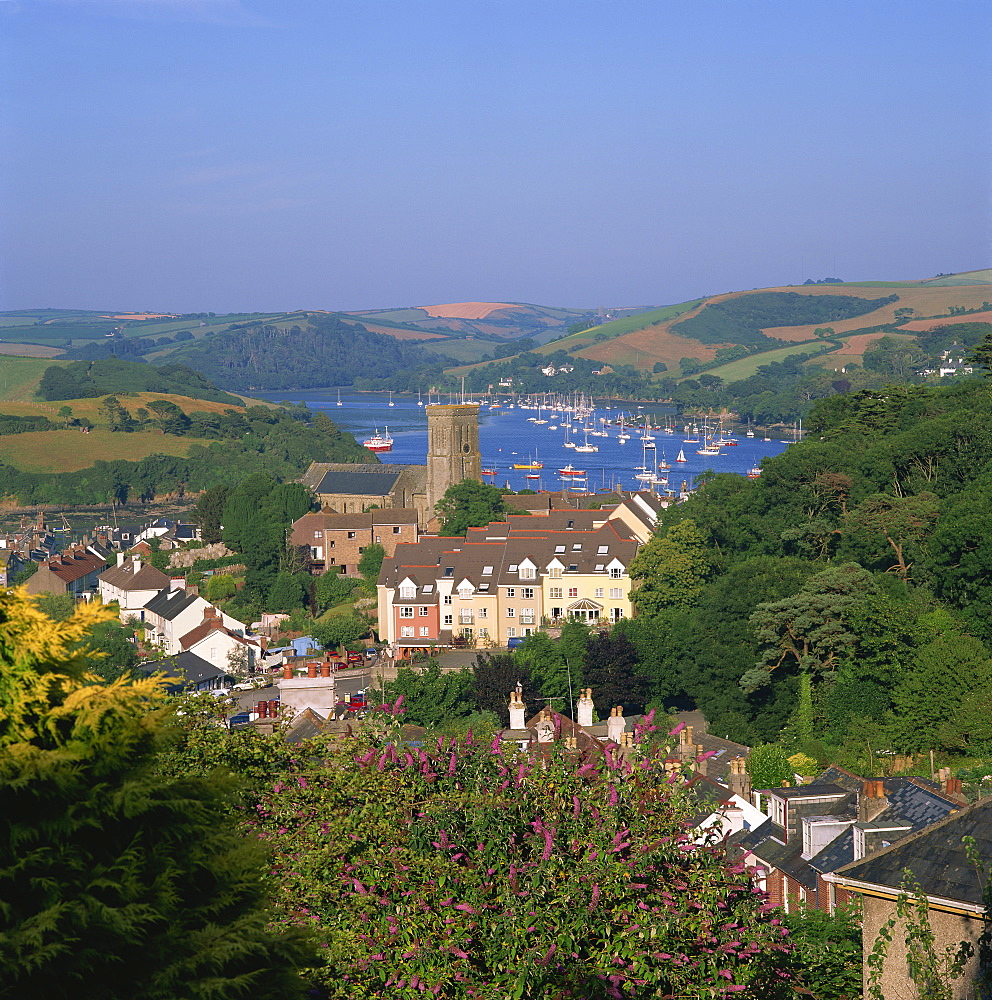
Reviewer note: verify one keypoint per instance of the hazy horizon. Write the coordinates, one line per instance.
(230, 155)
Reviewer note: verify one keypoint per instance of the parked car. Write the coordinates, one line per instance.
(354, 657)
(514, 643)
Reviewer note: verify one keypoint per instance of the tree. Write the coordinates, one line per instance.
(495, 676)
(768, 765)
(671, 569)
(903, 521)
(111, 874)
(469, 504)
(810, 630)
(338, 631)
(431, 697)
(286, 593)
(370, 564)
(220, 586)
(611, 671)
(980, 356)
(210, 512)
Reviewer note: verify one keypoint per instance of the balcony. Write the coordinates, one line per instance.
(466, 618)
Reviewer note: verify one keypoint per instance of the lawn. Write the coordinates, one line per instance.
(70, 450)
(19, 377)
(733, 371)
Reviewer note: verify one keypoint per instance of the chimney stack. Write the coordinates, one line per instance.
(287, 672)
(701, 766)
(325, 669)
(311, 669)
(517, 709)
(615, 725)
(263, 709)
(871, 800)
(739, 781)
(585, 707)
(687, 748)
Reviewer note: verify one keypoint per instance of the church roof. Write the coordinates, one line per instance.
(376, 483)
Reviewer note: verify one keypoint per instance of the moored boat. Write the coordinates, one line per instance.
(379, 442)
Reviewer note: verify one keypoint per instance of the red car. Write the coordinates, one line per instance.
(354, 657)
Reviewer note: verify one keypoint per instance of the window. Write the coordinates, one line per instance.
(449, 619)
(603, 549)
(559, 548)
(428, 588)
(511, 592)
(318, 534)
(616, 593)
(360, 550)
(406, 612)
(556, 613)
(483, 587)
(447, 598)
(573, 567)
(351, 534)
(555, 593)
(528, 573)
(407, 631)
(554, 573)
(396, 530)
(316, 552)
(487, 571)
(423, 612)
(424, 631)
(527, 616)
(616, 572)
(511, 613)
(449, 570)
(511, 633)
(600, 567)
(527, 593)
(513, 568)
(577, 547)
(465, 594)
(598, 592)
(330, 544)
(407, 592)
(483, 633)
(483, 612)
(573, 591)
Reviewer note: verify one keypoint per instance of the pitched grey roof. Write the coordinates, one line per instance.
(376, 483)
(194, 669)
(124, 578)
(170, 603)
(936, 855)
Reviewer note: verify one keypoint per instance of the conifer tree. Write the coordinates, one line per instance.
(115, 881)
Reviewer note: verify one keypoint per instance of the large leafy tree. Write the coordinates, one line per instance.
(469, 504)
(114, 880)
(671, 569)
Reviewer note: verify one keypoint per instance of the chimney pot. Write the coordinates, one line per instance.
(287, 672)
(273, 709)
(325, 669)
(311, 669)
(263, 709)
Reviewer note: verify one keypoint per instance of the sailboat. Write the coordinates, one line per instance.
(420, 401)
(391, 403)
(681, 456)
(339, 398)
(587, 447)
(531, 463)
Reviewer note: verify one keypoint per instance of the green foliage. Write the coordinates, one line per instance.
(150, 882)
(331, 588)
(827, 955)
(407, 858)
(324, 351)
(741, 320)
(88, 379)
(431, 697)
(58, 607)
(670, 569)
(768, 765)
(370, 564)
(220, 586)
(469, 504)
(495, 676)
(611, 670)
(286, 593)
(338, 631)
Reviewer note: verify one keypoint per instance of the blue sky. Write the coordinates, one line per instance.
(249, 154)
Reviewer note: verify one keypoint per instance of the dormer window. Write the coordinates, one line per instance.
(487, 571)
(559, 548)
(528, 573)
(577, 547)
(513, 568)
(603, 549)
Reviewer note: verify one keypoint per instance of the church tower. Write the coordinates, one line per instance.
(452, 447)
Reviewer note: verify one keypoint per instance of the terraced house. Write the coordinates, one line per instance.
(507, 580)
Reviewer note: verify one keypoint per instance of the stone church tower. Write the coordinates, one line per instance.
(452, 447)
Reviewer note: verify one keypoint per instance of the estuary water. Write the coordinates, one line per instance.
(509, 436)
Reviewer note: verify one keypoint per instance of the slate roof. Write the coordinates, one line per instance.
(123, 577)
(376, 483)
(935, 855)
(170, 603)
(183, 667)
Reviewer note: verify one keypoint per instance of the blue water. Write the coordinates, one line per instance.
(506, 436)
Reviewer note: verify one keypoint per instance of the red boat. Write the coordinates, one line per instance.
(379, 442)
(569, 471)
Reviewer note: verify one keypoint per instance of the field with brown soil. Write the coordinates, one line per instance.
(70, 450)
(643, 348)
(465, 310)
(392, 331)
(920, 325)
(30, 350)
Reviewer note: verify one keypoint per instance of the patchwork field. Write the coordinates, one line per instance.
(746, 367)
(920, 325)
(70, 450)
(465, 310)
(19, 376)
